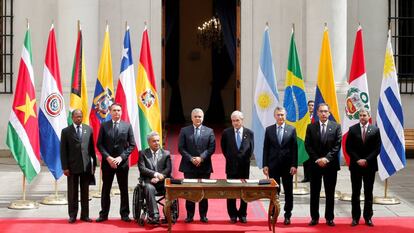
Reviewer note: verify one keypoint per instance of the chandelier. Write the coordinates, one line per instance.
(209, 34)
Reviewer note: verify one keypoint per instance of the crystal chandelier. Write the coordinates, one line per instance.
(209, 34)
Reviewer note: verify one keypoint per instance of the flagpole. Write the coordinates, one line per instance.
(56, 198)
(23, 204)
(386, 200)
(299, 190)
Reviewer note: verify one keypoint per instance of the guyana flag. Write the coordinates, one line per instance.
(295, 102)
(78, 91)
(23, 128)
(148, 104)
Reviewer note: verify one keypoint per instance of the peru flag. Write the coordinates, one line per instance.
(358, 95)
(125, 95)
(52, 113)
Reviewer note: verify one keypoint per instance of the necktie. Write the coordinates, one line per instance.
(116, 130)
(79, 132)
(323, 134)
(197, 135)
(280, 134)
(364, 133)
(238, 139)
(154, 160)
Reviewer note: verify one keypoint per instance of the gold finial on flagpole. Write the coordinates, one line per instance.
(293, 27)
(126, 25)
(27, 23)
(79, 25)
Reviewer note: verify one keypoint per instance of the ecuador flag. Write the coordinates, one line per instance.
(295, 102)
(149, 108)
(325, 87)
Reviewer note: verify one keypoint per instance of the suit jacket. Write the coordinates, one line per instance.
(357, 149)
(146, 166)
(279, 158)
(122, 145)
(237, 160)
(77, 155)
(188, 149)
(330, 150)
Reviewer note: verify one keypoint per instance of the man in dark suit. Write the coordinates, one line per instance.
(363, 146)
(323, 142)
(280, 157)
(154, 166)
(77, 155)
(237, 144)
(196, 145)
(115, 142)
(307, 163)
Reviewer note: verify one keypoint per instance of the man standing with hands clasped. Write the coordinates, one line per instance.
(323, 142)
(196, 144)
(115, 142)
(280, 157)
(77, 155)
(363, 146)
(237, 144)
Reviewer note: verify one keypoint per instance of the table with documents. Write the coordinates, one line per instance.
(249, 190)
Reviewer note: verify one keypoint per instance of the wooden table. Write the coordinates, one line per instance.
(223, 190)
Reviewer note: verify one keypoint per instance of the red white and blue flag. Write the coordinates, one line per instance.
(52, 113)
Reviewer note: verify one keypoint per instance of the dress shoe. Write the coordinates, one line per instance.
(233, 219)
(354, 222)
(101, 219)
(287, 221)
(204, 219)
(313, 222)
(125, 219)
(153, 221)
(72, 220)
(369, 223)
(243, 219)
(188, 220)
(305, 180)
(330, 223)
(86, 219)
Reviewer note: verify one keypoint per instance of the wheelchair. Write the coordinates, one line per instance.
(139, 205)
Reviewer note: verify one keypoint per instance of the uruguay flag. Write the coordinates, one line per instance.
(390, 119)
(52, 113)
(266, 97)
(125, 94)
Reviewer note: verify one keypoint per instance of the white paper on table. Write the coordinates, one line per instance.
(255, 181)
(234, 181)
(190, 181)
(208, 181)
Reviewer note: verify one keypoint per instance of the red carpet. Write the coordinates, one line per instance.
(383, 225)
(217, 207)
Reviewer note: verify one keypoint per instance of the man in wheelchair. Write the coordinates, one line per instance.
(154, 165)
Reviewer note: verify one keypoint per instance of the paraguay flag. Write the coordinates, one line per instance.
(294, 100)
(325, 87)
(266, 97)
(52, 113)
(125, 94)
(104, 91)
(390, 119)
(148, 103)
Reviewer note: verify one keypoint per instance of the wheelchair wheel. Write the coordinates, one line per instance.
(138, 206)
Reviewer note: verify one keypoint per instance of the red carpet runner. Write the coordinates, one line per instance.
(383, 225)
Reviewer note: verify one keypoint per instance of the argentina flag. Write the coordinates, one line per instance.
(266, 97)
(390, 119)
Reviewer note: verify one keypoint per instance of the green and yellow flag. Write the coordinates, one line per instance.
(78, 91)
(295, 102)
(149, 107)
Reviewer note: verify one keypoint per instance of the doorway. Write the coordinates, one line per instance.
(196, 75)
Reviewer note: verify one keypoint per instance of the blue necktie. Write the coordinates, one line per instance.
(79, 132)
(280, 134)
(197, 135)
(238, 139)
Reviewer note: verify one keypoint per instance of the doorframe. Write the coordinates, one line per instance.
(237, 65)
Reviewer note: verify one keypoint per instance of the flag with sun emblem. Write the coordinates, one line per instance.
(390, 119)
(23, 127)
(149, 108)
(266, 97)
